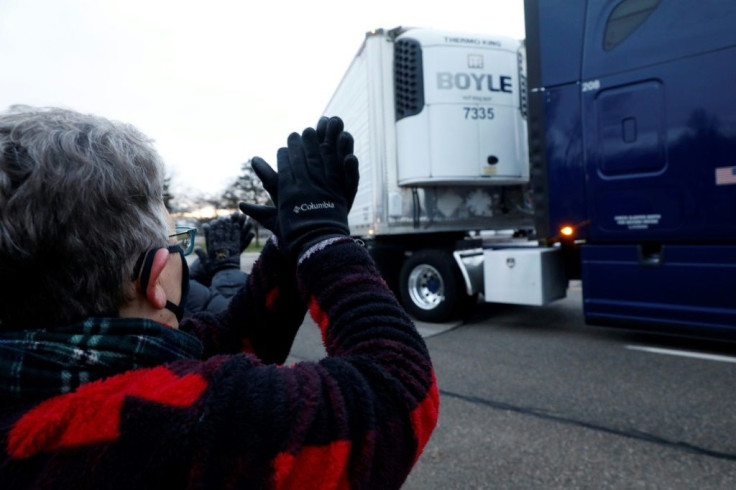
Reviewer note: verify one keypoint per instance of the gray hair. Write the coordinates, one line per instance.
(80, 200)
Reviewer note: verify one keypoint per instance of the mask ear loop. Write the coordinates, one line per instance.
(149, 267)
(178, 310)
(145, 262)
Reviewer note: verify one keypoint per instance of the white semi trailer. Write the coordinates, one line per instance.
(444, 201)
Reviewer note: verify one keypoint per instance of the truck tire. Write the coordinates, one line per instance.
(430, 287)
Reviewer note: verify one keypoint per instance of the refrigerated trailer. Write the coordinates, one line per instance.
(601, 147)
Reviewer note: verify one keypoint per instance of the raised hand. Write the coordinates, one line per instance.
(315, 185)
(225, 238)
(313, 189)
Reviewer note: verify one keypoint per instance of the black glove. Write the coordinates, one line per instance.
(340, 143)
(267, 216)
(226, 238)
(316, 184)
(344, 153)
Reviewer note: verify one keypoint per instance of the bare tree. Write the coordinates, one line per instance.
(247, 187)
(168, 196)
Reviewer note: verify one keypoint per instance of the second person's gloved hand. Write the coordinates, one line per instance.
(225, 238)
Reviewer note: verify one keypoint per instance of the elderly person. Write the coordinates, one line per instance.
(105, 386)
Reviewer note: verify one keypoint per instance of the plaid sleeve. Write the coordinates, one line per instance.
(378, 376)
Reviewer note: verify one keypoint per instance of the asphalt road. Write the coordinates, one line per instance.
(531, 398)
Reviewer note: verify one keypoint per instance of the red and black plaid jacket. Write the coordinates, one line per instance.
(238, 418)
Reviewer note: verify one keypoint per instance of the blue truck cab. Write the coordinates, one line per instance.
(632, 142)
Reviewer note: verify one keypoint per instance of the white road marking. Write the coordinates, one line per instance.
(683, 353)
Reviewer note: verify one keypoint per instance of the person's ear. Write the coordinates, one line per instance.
(155, 293)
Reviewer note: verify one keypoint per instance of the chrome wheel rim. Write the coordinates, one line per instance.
(426, 287)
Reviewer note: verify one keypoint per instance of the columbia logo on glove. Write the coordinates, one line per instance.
(313, 189)
(312, 206)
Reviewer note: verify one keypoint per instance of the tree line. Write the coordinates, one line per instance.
(246, 187)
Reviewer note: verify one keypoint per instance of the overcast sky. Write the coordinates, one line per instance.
(213, 83)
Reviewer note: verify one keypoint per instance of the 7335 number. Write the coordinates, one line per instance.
(478, 112)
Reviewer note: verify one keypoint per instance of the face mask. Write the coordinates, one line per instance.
(145, 264)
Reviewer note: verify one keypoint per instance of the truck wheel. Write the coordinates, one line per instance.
(429, 286)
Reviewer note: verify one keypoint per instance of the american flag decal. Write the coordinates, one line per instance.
(725, 175)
